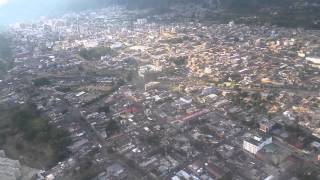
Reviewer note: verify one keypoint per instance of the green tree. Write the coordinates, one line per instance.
(105, 109)
(38, 130)
(41, 82)
(112, 127)
(6, 59)
(96, 53)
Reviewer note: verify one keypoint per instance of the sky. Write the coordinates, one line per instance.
(12, 11)
(3, 2)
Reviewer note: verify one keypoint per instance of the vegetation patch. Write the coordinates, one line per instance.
(5, 55)
(31, 139)
(41, 82)
(112, 128)
(96, 53)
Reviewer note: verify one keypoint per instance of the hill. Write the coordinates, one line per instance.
(5, 55)
(287, 13)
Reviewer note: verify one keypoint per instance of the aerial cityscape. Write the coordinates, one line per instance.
(125, 93)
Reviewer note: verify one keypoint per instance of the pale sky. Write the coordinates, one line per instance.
(22, 10)
(12, 11)
(3, 2)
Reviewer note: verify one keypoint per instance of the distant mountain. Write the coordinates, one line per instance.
(158, 3)
(289, 13)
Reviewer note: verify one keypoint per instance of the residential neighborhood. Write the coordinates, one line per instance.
(157, 97)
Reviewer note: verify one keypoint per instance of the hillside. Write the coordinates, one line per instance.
(5, 55)
(27, 136)
(288, 13)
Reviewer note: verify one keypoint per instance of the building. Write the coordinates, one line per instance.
(181, 175)
(151, 85)
(144, 70)
(80, 93)
(115, 170)
(315, 145)
(116, 45)
(314, 61)
(186, 100)
(256, 143)
(142, 21)
(9, 169)
(266, 125)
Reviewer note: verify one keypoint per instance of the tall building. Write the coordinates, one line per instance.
(256, 143)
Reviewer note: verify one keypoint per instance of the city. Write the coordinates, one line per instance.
(153, 97)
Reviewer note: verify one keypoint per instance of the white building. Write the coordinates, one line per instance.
(116, 45)
(80, 93)
(255, 143)
(314, 60)
(186, 100)
(142, 21)
(143, 70)
(151, 85)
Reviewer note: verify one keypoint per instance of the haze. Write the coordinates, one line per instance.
(22, 10)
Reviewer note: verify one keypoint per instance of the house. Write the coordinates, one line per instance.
(115, 170)
(209, 90)
(183, 174)
(78, 144)
(80, 93)
(151, 85)
(214, 171)
(266, 125)
(116, 45)
(315, 145)
(315, 60)
(186, 100)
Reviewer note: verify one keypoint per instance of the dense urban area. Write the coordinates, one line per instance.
(114, 93)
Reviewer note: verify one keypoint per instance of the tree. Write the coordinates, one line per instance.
(41, 82)
(38, 130)
(153, 140)
(256, 96)
(105, 109)
(63, 89)
(5, 51)
(178, 60)
(6, 59)
(112, 127)
(129, 76)
(96, 53)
